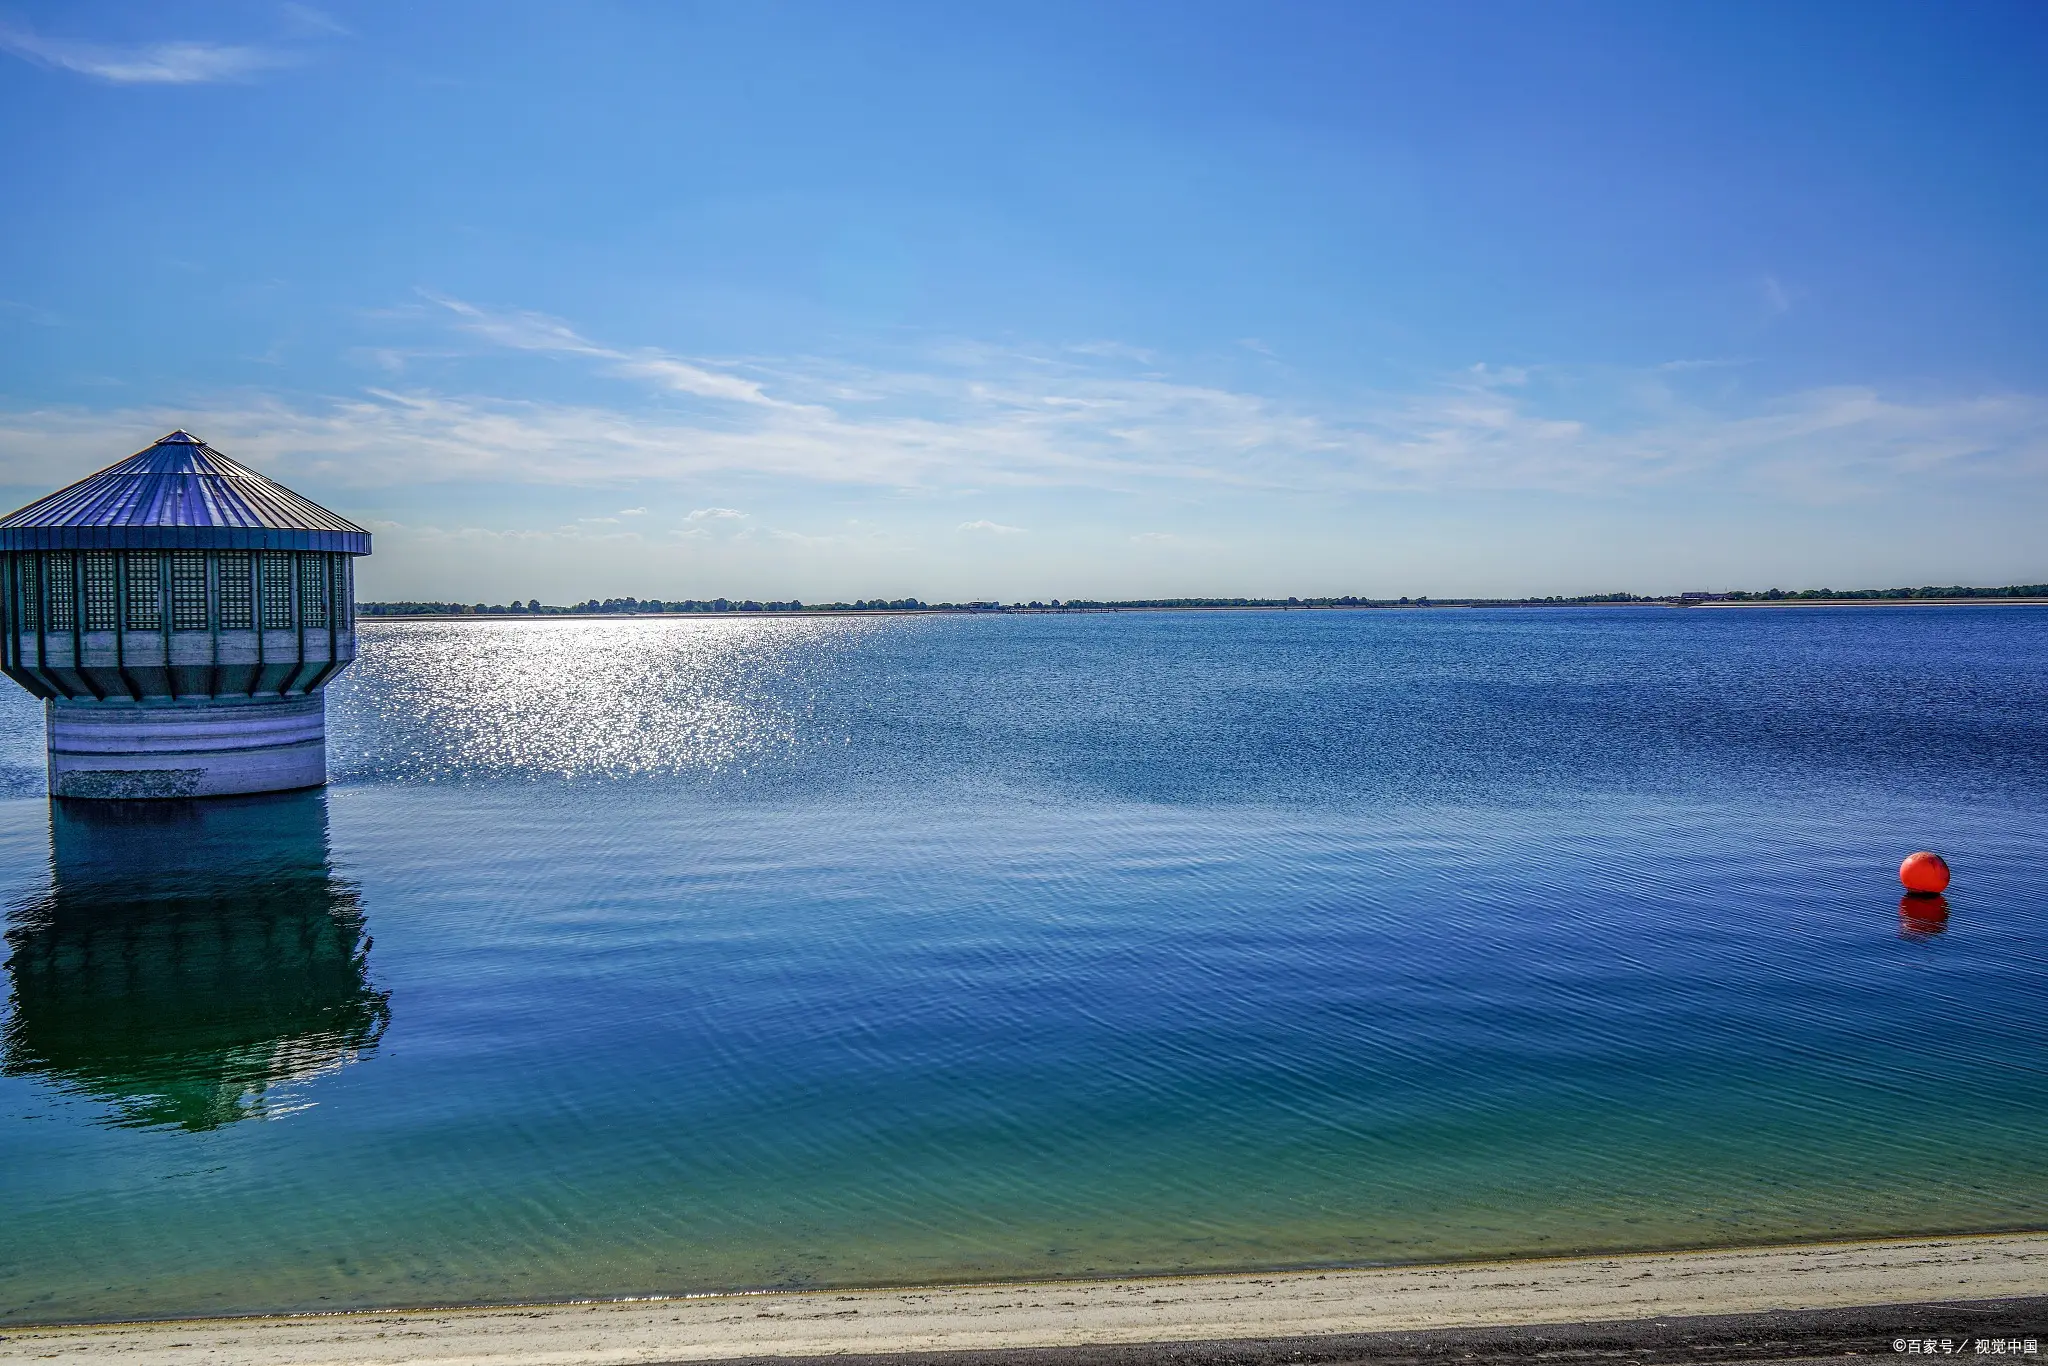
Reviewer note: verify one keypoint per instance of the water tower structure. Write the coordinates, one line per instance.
(179, 614)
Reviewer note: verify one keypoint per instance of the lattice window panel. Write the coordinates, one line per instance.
(145, 592)
(188, 590)
(313, 589)
(63, 592)
(237, 601)
(277, 590)
(345, 592)
(31, 591)
(102, 591)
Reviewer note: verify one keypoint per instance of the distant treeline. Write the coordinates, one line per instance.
(2018, 590)
(533, 607)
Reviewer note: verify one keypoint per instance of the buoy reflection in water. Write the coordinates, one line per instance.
(1921, 915)
(190, 959)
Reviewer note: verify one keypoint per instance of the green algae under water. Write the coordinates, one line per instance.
(658, 957)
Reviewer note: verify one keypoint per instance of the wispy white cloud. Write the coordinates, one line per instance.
(1674, 366)
(717, 524)
(525, 331)
(1113, 350)
(169, 63)
(41, 317)
(1501, 376)
(1777, 299)
(970, 416)
(585, 531)
(308, 19)
(992, 528)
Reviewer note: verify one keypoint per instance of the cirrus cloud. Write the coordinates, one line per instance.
(963, 417)
(166, 63)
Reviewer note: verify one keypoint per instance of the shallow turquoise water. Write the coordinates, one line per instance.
(651, 957)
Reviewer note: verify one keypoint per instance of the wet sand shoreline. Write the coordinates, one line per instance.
(1928, 1285)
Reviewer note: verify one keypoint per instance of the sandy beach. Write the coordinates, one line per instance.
(1206, 1309)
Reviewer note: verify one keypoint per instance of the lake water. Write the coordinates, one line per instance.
(647, 957)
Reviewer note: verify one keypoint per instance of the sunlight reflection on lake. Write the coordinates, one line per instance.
(580, 698)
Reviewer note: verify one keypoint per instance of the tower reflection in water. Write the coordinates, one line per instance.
(190, 959)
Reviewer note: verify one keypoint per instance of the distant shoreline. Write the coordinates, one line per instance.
(1876, 602)
(364, 618)
(1855, 1295)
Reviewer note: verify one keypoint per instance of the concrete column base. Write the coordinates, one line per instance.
(201, 748)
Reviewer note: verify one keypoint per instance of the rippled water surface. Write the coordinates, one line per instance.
(658, 956)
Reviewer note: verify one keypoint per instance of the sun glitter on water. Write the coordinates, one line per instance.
(576, 699)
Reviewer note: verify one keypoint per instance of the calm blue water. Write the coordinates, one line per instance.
(658, 956)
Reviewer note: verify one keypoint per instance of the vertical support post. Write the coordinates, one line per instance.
(256, 591)
(163, 616)
(42, 591)
(9, 621)
(121, 624)
(213, 620)
(299, 609)
(78, 625)
(330, 568)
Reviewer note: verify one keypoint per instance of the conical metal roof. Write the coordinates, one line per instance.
(179, 494)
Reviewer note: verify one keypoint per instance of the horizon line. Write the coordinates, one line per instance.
(631, 606)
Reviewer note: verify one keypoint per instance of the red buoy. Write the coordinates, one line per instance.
(1924, 873)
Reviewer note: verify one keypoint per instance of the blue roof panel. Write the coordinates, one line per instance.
(179, 492)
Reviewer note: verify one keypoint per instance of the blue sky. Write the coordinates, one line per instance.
(1050, 300)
